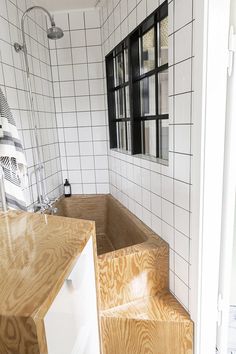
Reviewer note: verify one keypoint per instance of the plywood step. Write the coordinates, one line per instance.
(155, 325)
(133, 276)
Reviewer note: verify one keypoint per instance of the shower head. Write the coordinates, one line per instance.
(55, 32)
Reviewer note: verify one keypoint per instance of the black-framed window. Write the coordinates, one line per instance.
(137, 88)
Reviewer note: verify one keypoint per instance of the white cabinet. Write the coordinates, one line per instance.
(71, 324)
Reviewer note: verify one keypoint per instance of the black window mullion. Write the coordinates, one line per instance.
(160, 117)
(126, 133)
(111, 102)
(150, 73)
(133, 54)
(125, 84)
(122, 120)
(162, 67)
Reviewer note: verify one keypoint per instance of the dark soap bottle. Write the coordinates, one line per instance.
(67, 188)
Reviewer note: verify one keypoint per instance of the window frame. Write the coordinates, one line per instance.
(133, 43)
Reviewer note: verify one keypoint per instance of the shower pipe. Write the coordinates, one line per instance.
(52, 33)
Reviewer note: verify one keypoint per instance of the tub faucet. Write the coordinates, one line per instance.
(46, 206)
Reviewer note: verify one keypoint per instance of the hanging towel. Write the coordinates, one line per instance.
(12, 158)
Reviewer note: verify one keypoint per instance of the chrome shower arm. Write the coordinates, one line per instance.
(24, 47)
(38, 8)
(52, 33)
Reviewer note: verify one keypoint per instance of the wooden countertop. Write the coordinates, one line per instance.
(37, 252)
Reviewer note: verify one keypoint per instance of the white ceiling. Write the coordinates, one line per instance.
(60, 5)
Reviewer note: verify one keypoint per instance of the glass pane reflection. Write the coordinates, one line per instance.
(163, 139)
(149, 137)
(148, 96)
(120, 107)
(119, 74)
(163, 92)
(122, 135)
(148, 51)
(163, 42)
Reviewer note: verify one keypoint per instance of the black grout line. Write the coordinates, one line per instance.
(181, 61)
(160, 196)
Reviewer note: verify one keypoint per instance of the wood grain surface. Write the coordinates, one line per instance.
(138, 313)
(86, 207)
(123, 228)
(37, 252)
(104, 244)
(117, 227)
(133, 276)
(132, 336)
(156, 325)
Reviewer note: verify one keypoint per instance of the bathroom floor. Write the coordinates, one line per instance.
(232, 331)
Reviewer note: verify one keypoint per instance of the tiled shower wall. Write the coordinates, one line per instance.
(14, 86)
(78, 80)
(160, 195)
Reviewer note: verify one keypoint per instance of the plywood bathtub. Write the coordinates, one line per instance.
(116, 227)
(137, 312)
(132, 259)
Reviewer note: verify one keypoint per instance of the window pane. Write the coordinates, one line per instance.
(148, 96)
(127, 102)
(163, 42)
(148, 51)
(121, 135)
(126, 65)
(149, 137)
(129, 136)
(119, 75)
(163, 139)
(163, 92)
(120, 107)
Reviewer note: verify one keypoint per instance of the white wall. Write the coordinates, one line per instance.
(160, 195)
(78, 81)
(233, 276)
(13, 84)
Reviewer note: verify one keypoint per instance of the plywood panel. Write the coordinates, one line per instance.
(138, 314)
(122, 227)
(104, 244)
(133, 276)
(87, 207)
(18, 335)
(130, 336)
(114, 223)
(37, 252)
(155, 325)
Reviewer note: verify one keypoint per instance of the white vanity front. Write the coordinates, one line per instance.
(71, 323)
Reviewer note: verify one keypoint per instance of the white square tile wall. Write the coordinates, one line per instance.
(160, 195)
(78, 81)
(14, 86)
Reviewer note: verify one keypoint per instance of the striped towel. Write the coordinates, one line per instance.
(12, 158)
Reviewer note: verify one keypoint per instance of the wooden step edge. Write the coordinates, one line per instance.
(154, 242)
(163, 307)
